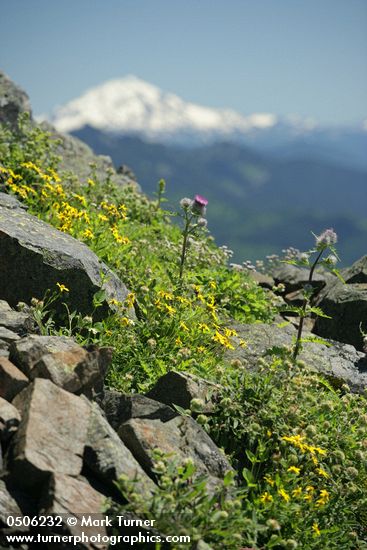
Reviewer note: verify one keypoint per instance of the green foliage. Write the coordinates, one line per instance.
(183, 504)
(302, 448)
(312, 260)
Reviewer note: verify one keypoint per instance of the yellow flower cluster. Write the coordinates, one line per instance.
(222, 339)
(116, 212)
(119, 238)
(66, 214)
(299, 442)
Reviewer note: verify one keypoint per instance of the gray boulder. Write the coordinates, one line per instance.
(13, 101)
(63, 361)
(346, 304)
(12, 380)
(8, 506)
(119, 408)
(14, 321)
(9, 201)
(8, 336)
(51, 435)
(357, 273)
(149, 425)
(340, 362)
(35, 256)
(180, 388)
(70, 497)
(266, 281)
(63, 434)
(78, 158)
(108, 458)
(294, 277)
(9, 419)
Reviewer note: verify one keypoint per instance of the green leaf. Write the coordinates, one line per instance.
(248, 477)
(318, 311)
(182, 411)
(99, 297)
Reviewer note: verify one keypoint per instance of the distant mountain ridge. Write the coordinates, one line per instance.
(257, 205)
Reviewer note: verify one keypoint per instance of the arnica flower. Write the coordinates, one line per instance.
(199, 205)
(62, 287)
(324, 498)
(327, 238)
(284, 495)
(266, 497)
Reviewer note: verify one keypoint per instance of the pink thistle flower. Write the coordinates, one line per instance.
(199, 205)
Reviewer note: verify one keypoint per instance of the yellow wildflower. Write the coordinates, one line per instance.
(230, 332)
(182, 300)
(125, 322)
(158, 304)
(201, 349)
(322, 472)
(80, 198)
(31, 166)
(321, 452)
(170, 310)
(294, 469)
(269, 480)
(178, 341)
(324, 498)
(184, 326)
(213, 284)
(130, 299)
(204, 328)
(87, 234)
(223, 340)
(62, 287)
(297, 492)
(165, 295)
(266, 497)
(118, 238)
(316, 530)
(102, 217)
(54, 175)
(114, 302)
(284, 495)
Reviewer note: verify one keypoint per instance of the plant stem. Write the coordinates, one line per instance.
(306, 301)
(184, 244)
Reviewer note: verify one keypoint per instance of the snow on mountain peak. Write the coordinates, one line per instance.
(131, 105)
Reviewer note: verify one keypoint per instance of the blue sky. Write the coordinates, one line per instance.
(282, 56)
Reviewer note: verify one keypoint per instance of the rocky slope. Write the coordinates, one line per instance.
(66, 437)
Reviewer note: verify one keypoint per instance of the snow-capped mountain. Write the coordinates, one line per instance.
(131, 106)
